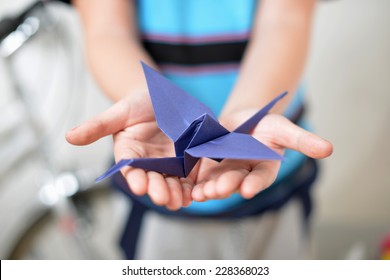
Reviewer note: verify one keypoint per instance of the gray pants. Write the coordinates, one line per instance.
(273, 235)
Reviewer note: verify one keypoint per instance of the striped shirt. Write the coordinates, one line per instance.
(198, 45)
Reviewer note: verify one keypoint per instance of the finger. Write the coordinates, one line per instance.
(186, 184)
(158, 189)
(230, 182)
(192, 177)
(285, 134)
(137, 180)
(260, 178)
(209, 190)
(197, 193)
(176, 193)
(106, 123)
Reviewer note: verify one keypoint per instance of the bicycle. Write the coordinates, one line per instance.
(53, 187)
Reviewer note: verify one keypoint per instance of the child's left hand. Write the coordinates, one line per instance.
(215, 180)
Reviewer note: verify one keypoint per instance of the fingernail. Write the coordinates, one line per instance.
(74, 128)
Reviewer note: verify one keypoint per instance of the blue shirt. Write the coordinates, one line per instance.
(198, 44)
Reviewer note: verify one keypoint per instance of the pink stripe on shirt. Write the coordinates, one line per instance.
(198, 69)
(220, 38)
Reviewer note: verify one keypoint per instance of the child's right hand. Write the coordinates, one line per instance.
(132, 123)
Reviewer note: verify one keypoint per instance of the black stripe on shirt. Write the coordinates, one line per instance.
(196, 54)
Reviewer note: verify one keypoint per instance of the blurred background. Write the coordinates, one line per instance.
(50, 207)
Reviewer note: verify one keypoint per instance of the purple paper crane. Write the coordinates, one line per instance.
(195, 131)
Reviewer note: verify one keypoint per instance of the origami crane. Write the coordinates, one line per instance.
(195, 131)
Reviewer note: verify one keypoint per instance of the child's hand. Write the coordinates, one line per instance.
(131, 122)
(135, 133)
(220, 180)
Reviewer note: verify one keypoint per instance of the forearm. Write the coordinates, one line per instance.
(275, 57)
(115, 65)
(112, 46)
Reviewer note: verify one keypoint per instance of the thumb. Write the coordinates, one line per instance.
(108, 122)
(285, 134)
